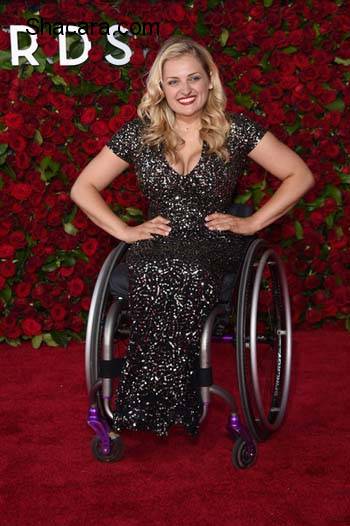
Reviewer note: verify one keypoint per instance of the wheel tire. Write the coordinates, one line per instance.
(242, 458)
(263, 409)
(115, 454)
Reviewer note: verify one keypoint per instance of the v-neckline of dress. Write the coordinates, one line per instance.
(166, 162)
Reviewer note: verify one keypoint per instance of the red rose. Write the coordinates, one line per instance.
(90, 146)
(2, 282)
(99, 127)
(6, 251)
(137, 58)
(22, 290)
(22, 161)
(90, 246)
(38, 291)
(48, 44)
(127, 112)
(88, 115)
(7, 269)
(76, 287)
(14, 120)
(66, 271)
(31, 327)
(96, 53)
(85, 303)
(316, 218)
(17, 239)
(17, 143)
(313, 315)
(77, 324)
(329, 307)
(4, 40)
(58, 312)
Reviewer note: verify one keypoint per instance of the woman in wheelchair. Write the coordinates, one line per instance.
(188, 153)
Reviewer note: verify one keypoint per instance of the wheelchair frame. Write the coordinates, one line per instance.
(260, 422)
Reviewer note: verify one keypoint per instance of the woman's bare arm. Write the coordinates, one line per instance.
(282, 162)
(285, 164)
(85, 192)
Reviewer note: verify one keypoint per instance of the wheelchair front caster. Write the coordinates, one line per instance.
(116, 449)
(243, 454)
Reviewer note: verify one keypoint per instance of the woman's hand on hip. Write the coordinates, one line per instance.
(237, 225)
(157, 225)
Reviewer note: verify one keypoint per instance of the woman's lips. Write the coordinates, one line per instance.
(186, 100)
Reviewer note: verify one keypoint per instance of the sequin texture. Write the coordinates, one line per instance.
(174, 280)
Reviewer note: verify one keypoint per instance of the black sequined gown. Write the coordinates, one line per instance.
(174, 280)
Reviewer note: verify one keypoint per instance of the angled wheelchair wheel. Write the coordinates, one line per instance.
(263, 340)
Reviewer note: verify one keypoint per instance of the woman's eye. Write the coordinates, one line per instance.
(195, 77)
(172, 82)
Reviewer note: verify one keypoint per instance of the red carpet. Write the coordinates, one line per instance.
(49, 476)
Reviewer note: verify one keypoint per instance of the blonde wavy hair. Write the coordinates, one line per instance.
(159, 118)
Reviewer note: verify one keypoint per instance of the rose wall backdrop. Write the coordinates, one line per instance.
(286, 64)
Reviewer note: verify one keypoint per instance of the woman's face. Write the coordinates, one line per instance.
(185, 85)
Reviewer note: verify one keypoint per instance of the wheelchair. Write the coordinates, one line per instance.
(253, 313)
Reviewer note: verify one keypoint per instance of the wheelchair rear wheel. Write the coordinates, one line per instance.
(263, 340)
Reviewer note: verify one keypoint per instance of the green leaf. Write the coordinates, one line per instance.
(3, 148)
(68, 260)
(134, 211)
(201, 28)
(6, 293)
(213, 3)
(69, 217)
(70, 229)
(3, 158)
(81, 126)
(58, 80)
(36, 341)
(50, 267)
(343, 61)
(243, 198)
(268, 3)
(294, 127)
(60, 338)
(289, 50)
(345, 178)
(334, 192)
(299, 232)
(38, 137)
(244, 100)
(48, 168)
(330, 221)
(347, 324)
(231, 51)
(5, 56)
(336, 105)
(48, 339)
(224, 37)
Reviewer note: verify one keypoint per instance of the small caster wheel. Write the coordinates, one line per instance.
(243, 456)
(115, 454)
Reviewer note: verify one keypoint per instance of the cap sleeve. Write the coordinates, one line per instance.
(245, 133)
(126, 141)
